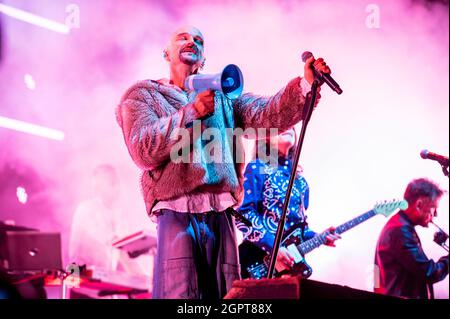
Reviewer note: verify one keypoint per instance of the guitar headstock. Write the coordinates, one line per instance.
(387, 207)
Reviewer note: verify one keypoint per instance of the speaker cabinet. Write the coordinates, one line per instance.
(296, 288)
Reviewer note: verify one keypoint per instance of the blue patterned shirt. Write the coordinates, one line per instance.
(264, 193)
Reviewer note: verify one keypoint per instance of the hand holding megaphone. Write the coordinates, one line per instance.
(204, 103)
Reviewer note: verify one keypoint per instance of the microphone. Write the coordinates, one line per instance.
(322, 76)
(441, 159)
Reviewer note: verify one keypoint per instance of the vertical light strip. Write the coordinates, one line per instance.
(31, 128)
(34, 19)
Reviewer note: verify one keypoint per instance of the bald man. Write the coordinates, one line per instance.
(197, 250)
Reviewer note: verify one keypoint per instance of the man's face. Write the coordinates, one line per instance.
(106, 186)
(186, 47)
(426, 209)
(286, 139)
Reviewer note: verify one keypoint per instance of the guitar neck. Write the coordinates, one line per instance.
(354, 222)
(320, 239)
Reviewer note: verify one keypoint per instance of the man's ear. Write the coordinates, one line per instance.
(419, 204)
(166, 55)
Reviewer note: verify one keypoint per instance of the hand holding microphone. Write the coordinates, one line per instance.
(320, 70)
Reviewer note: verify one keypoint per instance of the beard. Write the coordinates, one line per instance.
(188, 58)
(189, 55)
(425, 222)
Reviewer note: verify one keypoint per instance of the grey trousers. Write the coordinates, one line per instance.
(197, 256)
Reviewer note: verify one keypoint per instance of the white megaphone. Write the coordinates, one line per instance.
(229, 82)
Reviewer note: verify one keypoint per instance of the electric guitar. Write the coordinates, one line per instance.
(255, 262)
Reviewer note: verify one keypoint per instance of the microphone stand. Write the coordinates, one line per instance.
(309, 106)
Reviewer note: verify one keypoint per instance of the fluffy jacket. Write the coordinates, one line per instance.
(149, 113)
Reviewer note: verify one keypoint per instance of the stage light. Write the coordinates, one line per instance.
(29, 82)
(31, 128)
(34, 19)
(22, 195)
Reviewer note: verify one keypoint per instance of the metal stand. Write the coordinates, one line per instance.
(309, 106)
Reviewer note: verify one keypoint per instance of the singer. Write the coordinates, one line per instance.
(197, 249)
(404, 269)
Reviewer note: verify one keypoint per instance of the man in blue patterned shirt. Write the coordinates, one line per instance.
(265, 188)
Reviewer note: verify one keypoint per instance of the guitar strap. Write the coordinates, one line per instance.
(239, 217)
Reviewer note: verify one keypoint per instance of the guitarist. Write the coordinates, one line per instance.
(264, 193)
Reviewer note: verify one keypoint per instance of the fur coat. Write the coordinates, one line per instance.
(151, 112)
